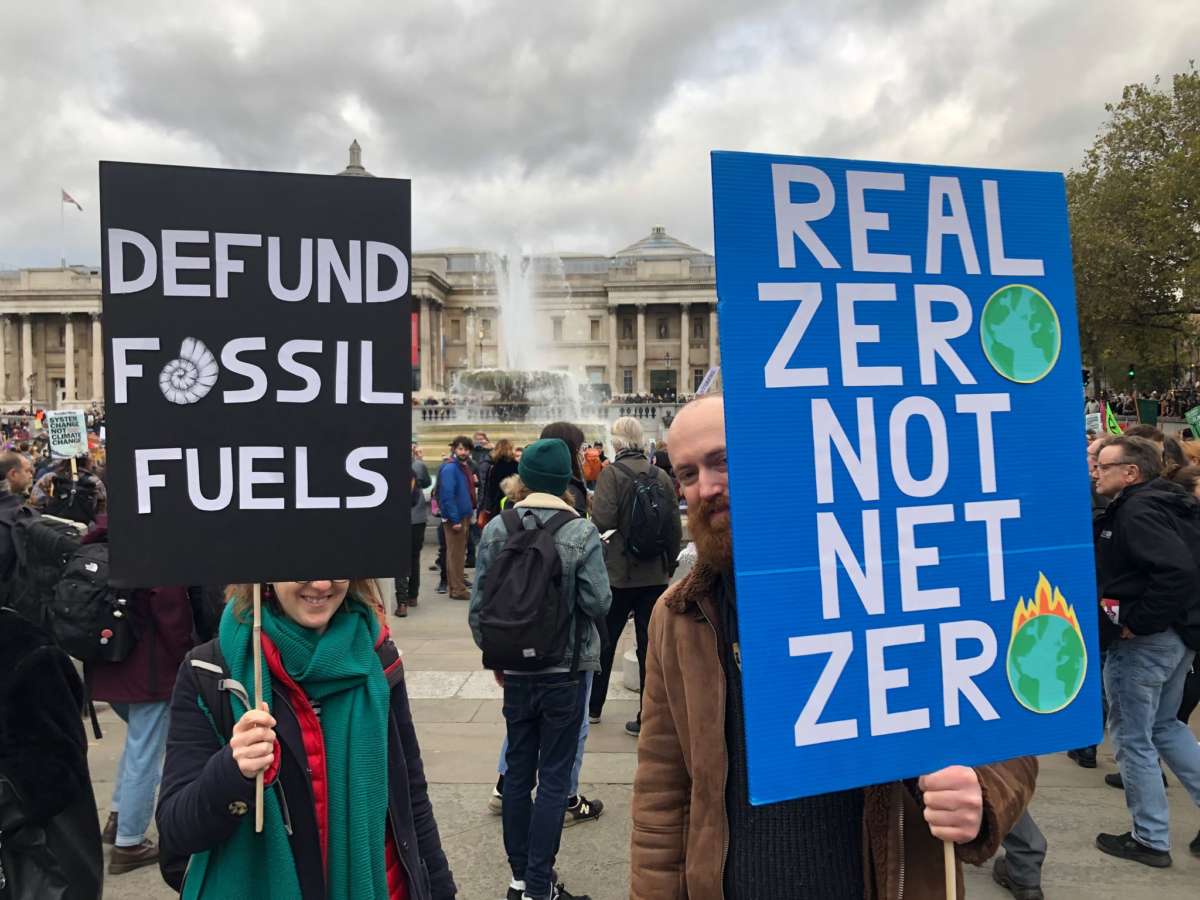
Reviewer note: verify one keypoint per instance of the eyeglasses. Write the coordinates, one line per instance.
(1111, 464)
(337, 581)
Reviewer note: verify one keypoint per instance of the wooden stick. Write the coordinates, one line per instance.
(74, 470)
(258, 699)
(951, 871)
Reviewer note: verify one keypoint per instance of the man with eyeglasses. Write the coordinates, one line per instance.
(1148, 571)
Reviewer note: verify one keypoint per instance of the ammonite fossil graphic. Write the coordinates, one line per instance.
(191, 376)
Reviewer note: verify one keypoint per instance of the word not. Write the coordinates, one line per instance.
(249, 476)
(358, 272)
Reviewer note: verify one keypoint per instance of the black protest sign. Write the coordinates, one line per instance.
(256, 349)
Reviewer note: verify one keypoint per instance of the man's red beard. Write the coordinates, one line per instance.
(714, 540)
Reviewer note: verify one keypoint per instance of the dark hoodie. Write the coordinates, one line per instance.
(1148, 559)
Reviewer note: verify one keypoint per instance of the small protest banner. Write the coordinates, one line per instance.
(1192, 417)
(67, 430)
(1093, 422)
(256, 330)
(924, 594)
(1111, 425)
(1147, 412)
(710, 379)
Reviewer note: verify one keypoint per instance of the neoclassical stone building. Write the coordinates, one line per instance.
(641, 321)
(50, 338)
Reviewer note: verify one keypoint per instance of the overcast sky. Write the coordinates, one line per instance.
(553, 126)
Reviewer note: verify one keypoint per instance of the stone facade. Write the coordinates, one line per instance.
(50, 338)
(643, 321)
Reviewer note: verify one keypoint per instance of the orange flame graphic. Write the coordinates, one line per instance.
(1047, 601)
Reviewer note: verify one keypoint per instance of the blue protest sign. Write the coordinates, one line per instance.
(908, 482)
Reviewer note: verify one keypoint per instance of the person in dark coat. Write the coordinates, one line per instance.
(16, 477)
(138, 688)
(1148, 574)
(503, 466)
(346, 809)
(51, 838)
(571, 435)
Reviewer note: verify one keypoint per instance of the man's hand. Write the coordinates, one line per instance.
(1126, 634)
(457, 526)
(499, 676)
(953, 804)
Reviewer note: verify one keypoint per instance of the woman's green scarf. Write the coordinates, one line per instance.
(341, 671)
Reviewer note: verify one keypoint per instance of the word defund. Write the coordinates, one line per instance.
(358, 273)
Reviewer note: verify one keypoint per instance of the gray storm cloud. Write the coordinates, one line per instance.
(556, 126)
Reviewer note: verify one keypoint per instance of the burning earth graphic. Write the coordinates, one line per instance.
(1047, 656)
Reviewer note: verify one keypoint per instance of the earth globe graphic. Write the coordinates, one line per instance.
(1020, 333)
(1046, 663)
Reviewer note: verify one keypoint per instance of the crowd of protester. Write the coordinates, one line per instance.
(584, 535)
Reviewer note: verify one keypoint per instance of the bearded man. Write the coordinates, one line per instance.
(695, 834)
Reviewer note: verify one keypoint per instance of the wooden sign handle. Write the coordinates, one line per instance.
(258, 699)
(951, 871)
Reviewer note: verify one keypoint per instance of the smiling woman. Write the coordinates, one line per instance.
(341, 817)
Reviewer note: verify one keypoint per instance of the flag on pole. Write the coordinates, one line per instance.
(1112, 426)
(67, 198)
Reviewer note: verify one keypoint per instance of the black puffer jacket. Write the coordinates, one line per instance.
(50, 844)
(1148, 559)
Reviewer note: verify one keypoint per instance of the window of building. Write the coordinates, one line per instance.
(485, 328)
(698, 328)
(627, 381)
(697, 379)
(595, 374)
(558, 328)
(595, 329)
(664, 328)
(456, 329)
(627, 329)
(62, 335)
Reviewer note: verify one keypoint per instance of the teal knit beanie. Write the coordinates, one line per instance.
(545, 467)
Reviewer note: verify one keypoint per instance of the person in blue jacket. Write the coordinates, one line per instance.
(457, 501)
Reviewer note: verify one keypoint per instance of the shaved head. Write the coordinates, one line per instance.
(697, 439)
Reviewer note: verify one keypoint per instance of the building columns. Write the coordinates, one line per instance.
(714, 351)
(69, 356)
(97, 360)
(613, 335)
(685, 373)
(426, 344)
(641, 348)
(26, 355)
(3, 358)
(472, 338)
(498, 336)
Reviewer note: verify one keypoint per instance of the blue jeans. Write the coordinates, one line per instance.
(139, 769)
(1144, 676)
(502, 765)
(542, 713)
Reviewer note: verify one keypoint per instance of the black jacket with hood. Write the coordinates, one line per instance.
(1148, 559)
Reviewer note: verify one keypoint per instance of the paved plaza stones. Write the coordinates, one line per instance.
(457, 710)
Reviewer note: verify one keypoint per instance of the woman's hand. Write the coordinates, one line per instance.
(953, 804)
(253, 741)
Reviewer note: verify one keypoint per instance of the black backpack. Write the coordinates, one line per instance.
(524, 622)
(76, 500)
(43, 545)
(90, 620)
(213, 686)
(650, 511)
